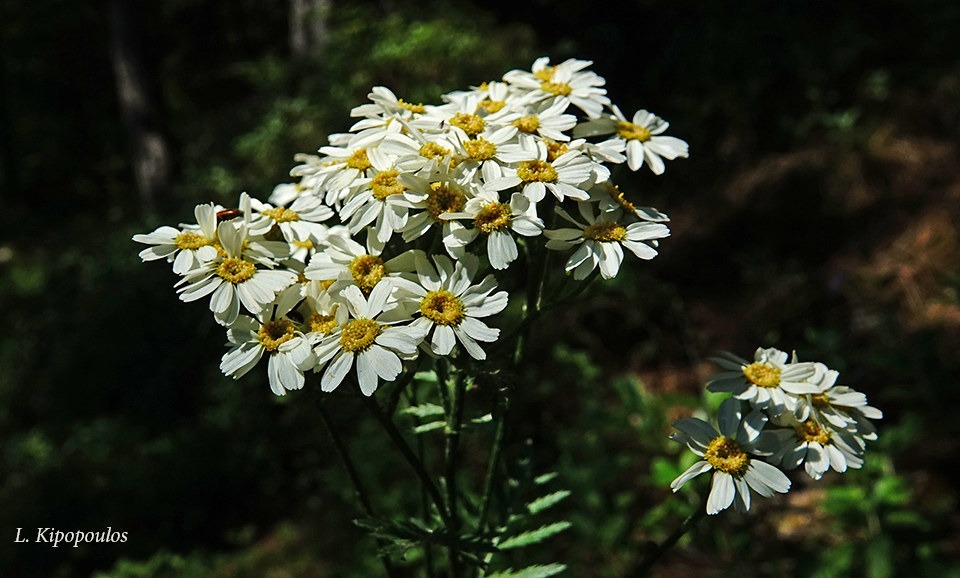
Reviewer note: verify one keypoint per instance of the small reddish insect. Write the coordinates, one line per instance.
(227, 214)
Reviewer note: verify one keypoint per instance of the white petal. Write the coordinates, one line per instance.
(721, 493)
(336, 371)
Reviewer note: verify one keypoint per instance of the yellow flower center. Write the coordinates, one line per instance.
(492, 106)
(820, 400)
(443, 307)
(358, 335)
(469, 123)
(236, 271)
(444, 198)
(810, 431)
(545, 73)
(527, 124)
(493, 217)
(480, 149)
(558, 88)
(322, 324)
(306, 244)
(432, 150)
(726, 455)
(359, 160)
(631, 131)
(537, 171)
(414, 108)
(555, 150)
(605, 232)
(762, 374)
(281, 215)
(367, 271)
(386, 184)
(191, 241)
(275, 333)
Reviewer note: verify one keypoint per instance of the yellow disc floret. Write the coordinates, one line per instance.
(493, 217)
(558, 88)
(811, 431)
(555, 150)
(528, 124)
(631, 131)
(605, 231)
(444, 198)
(305, 244)
(469, 123)
(545, 73)
(762, 374)
(359, 160)
(386, 184)
(275, 333)
(492, 106)
(537, 171)
(443, 307)
(367, 271)
(432, 150)
(236, 271)
(414, 108)
(726, 455)
(358, 335)
(191, 241)
(480, 149)
(281, 215)
(322, 324)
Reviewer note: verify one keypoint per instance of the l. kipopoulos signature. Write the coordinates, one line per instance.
(56, 537)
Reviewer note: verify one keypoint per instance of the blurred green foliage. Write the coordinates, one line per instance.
(819, 212)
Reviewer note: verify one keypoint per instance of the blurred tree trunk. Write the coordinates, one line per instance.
(309, 31)
(149, 151)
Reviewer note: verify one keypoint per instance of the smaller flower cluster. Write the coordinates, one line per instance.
(783, 413)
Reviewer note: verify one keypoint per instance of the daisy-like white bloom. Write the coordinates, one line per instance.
(601, 240)
(367, 342)
(643, 137)
(428, 200)
(380, 201)
(840, 407)
(281, 338)
(817, 446)
(482, 158)
(496, 220)
(299, 220)
(234, 279)
(536, 173)
(451, 307)
(770, 381)
(417, 153)
(567, 79)
(610, 199)
(188, 247)
(384, 103)
(547, 119)
(346, 262)
(733, 456)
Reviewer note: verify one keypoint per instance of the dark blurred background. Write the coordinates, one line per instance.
(818, 212)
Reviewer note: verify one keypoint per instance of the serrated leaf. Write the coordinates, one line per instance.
(540, 480)
(548, 501)
(538, 571)
(533, 536)
(423, 410)
(434, 425)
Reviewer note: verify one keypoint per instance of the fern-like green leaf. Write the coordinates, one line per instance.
(423, 410)
(533, 536)
(545, 502)
(540, 480)
(538, 571)
(434, 425)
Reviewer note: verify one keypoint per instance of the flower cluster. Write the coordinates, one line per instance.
(387, 244)
(782, 412)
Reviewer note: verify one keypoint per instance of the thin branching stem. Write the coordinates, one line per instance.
(642, 569)
(454, 425)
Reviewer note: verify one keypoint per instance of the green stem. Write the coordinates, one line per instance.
(454, 425)
(397, 438)
(494, 464)
(354, 475)
(651, 558)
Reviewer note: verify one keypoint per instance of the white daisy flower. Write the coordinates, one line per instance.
(547, 119)
(384, 103)
(769, 382)
(732, 455)
(416, 153)
(234, 279)
(495, 220)
(428, 200)
(290, 353)
(536, 173)
(451, 307)
(346, 262)
(839, 406)
(600, 241)
(643, 138)
(299, 220)
(375, 346)
(188, 247)
(379, 201)
(567, 79)
(483, 157)
(816, 446)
